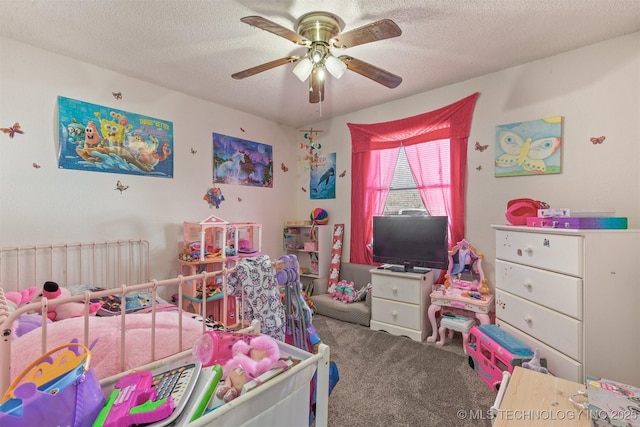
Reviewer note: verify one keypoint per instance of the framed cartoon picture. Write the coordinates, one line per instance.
(529, 148)
(241, 162)
(104, 139)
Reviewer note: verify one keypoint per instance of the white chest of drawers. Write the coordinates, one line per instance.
(575, 296)
(399, 303)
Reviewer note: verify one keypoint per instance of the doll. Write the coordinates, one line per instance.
(249, 361)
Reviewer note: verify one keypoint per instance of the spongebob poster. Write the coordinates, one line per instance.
(322, 178)
(103, 139)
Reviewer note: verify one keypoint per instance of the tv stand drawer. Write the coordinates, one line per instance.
(396, 313)
(396, 288)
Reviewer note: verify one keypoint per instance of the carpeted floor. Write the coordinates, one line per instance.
(392, 381)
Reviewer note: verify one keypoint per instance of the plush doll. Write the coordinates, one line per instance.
(249, 361)
(344, 292)
(51, 291)
(338, 290)
(349, 293)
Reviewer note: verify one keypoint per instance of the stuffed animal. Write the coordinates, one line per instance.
(249, 361)
(534, 364)
(51, 290)
(27, 323)
(344, 291)
(348, 293)
(22, 297)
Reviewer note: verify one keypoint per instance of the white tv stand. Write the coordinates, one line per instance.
(400, 301)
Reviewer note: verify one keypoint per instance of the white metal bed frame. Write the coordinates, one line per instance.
(106, 264)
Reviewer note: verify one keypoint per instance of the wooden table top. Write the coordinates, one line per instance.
(535, 399)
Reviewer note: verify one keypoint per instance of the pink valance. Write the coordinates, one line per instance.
(450, 122)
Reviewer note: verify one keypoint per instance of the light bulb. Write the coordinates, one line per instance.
(316, 56)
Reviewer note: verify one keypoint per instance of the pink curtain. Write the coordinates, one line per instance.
(447, 131)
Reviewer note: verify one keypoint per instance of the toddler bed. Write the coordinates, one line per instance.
(97, 270)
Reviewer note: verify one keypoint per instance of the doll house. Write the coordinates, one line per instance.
(214, 244)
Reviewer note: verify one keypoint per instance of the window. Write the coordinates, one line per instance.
(404, 197)
(422, 136)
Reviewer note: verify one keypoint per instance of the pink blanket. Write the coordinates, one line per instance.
(105, 355)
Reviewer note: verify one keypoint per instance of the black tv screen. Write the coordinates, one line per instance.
(411, 241)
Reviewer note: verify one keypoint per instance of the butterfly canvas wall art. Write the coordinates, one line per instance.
(529, 148)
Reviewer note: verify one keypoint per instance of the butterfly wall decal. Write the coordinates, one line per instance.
(284, 167)
(117, 95)
(598, 140)
(528, 154)
(120, 187)
(36, 166)
(303, 189)
(193, 151)
(481, 148)
(343, 174)
(242, 129)
(479, 168)
(239, 199)
(12, 130)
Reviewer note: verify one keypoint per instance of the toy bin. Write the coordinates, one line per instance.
(279, 401)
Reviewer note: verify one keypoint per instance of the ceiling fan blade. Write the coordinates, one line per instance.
(277, 29)
(376, 74)
(264, 67)
(316, 88)
(379, 30)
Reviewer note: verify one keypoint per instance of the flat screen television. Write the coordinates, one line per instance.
(411, 241)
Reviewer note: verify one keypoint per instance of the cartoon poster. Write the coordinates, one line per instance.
(241, 162)
(529, 148)
(322, 182)
(103, 139)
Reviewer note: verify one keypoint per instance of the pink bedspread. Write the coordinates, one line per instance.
(105, 355)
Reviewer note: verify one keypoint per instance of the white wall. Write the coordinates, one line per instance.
(51, 205)
(597, 91)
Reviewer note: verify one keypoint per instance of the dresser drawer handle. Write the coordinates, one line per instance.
(527, 318)
(528, 285)
(528, 250)
(394, 290)
(394, 314)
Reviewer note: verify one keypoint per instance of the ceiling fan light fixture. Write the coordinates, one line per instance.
(316, 56)
(335, 66)
(303, 69)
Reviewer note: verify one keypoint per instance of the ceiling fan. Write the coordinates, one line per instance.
(319, 32)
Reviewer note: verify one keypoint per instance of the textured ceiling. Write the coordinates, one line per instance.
(193, 46)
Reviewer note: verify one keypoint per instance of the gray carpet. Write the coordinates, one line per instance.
(392, 381)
